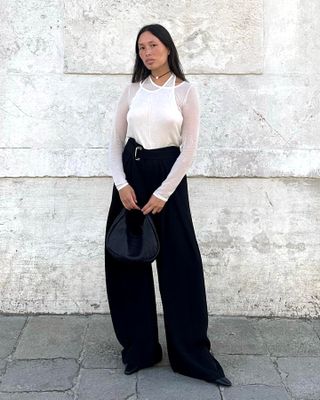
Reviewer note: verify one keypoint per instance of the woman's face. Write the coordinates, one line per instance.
(152, 51)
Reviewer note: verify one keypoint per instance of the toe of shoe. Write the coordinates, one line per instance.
(131, 369)
(224, 381)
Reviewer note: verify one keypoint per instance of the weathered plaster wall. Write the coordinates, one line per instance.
(259, 240)
(254, 188)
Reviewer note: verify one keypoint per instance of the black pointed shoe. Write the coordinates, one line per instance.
(223, 381)
(131, 369)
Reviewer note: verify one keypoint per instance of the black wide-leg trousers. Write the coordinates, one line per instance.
(130, 289)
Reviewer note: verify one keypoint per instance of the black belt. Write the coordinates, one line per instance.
(139, 151)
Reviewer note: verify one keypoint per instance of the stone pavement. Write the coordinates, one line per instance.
(77, 357)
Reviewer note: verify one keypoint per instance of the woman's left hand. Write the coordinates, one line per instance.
(154, 205)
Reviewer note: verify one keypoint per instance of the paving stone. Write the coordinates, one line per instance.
(39, 375)
(163, 384)
(255, 392)
(316, 325)
(2, 366)
(285, 337)
(106, 384)
(254, 376)
(250, 370)
(234, 336)
(51, 337)
(101, 347)
(10, 328)
(37, 396)
(301, 375)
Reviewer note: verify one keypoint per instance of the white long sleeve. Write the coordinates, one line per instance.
(189, 142)
(153, 122)
(118, 137)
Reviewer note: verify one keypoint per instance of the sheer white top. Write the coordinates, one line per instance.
(156, 116)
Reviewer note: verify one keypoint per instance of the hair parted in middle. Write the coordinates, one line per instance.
(140, 71)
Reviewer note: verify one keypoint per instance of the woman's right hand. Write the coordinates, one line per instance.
(128, 198)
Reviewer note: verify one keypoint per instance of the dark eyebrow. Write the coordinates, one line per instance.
(150, 41)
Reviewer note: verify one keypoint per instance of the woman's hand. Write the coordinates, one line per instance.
(154, 205)
(128, 198)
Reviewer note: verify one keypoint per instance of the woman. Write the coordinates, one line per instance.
(157, 114)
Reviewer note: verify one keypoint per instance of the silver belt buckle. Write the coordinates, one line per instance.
(136, 153)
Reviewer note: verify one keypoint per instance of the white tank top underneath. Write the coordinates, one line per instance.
(154, 118)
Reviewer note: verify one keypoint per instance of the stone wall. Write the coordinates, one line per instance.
(254, 187)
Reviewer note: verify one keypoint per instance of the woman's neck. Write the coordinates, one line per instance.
(161, 80)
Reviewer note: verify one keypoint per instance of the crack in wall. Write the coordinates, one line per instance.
(262, 118)
(268, 198)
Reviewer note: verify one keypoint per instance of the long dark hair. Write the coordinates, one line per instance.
(140, 71)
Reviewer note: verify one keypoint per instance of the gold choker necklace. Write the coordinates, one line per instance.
(159, 76)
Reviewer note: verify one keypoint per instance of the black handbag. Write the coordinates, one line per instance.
(132, 238)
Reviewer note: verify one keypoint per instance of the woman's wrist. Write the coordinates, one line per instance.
(159, 196)
(122, 185)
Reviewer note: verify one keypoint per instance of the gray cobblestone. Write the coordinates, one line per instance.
(101, 348)
(316, 326)
(51, 337)
(265, 359)
(39, 375)
(255, 392)
(106, 384)
(301, 376)
(285, 337)
(250, 370)
(10, 328)
(2, 366)
(175, 386)
(235, 336)
(37, 396)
